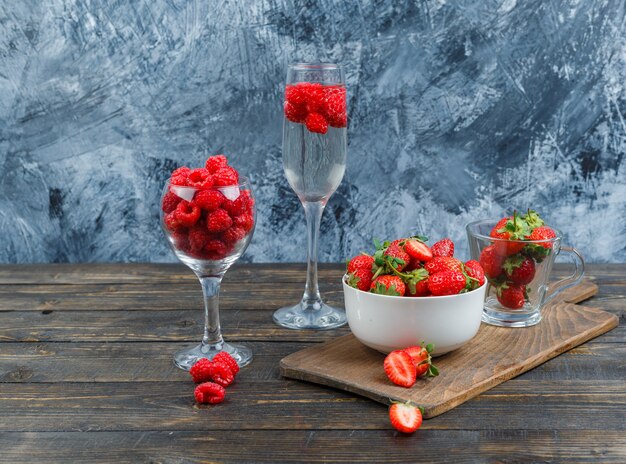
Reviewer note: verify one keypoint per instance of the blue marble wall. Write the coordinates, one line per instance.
(458, 110)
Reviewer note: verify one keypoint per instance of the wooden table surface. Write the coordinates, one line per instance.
(86, 375)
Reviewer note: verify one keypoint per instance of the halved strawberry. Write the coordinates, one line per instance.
(422, 359)
(400, 368)
(418, 250)
(405, 417)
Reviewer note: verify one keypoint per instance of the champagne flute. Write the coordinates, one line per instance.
(314, 159)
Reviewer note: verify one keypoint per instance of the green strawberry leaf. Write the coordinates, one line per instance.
(533, 219)
(513, 262)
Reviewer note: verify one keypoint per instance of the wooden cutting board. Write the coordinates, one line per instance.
(494, 355)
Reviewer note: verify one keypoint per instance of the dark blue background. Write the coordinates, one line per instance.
(458, 110)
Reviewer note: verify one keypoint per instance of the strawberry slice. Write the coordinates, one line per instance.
(418, 250)
(405, 417)
(400, 369)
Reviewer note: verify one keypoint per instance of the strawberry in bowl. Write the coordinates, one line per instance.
(407, 291)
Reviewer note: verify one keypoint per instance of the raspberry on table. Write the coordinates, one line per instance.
(201, 371)
(210, 393)
(218, 220)
(227, 359)
(226, 176)
(209, 200)
(214, 163)
(221, 373)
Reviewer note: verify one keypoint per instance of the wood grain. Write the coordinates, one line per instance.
(311, 446)
(496, 354)
(83, 379)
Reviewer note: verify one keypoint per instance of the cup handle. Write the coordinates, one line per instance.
(579, 270)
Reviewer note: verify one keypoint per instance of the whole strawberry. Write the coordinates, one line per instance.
(543, 233)
(491, 261)
(388, 285)
(360, 262)
(511, 296)
(399, 258)
(509, 231)
(474, 270)
(519, 269)
(361, 279)
(443, 248)
(446, 283)
(443, 263)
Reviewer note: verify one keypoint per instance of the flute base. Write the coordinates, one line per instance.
(316, 316)
(186, 358)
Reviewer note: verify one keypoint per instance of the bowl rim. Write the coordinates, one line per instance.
(404, 298)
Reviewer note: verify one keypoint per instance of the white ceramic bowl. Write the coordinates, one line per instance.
(388, 323)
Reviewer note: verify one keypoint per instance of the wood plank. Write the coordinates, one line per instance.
(153, 297)
(152, 362)
(183, 326)
(496, 354)
(291, 405)
(434, 446)
(161, 273)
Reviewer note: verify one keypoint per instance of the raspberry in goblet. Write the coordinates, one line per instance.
(208, 216)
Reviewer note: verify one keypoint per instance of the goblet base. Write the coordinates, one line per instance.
(495, 314)
(319, 316)
(186, 358)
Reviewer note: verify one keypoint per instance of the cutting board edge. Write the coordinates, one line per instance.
(431, 410)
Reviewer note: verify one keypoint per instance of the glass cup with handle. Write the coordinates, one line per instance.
(314, 159)
(519, 272)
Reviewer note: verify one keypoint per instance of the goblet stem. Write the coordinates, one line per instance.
(313, 211)
(211, 294)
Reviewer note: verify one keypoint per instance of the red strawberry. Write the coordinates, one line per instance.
(388, 285)
(399, 258)
(405, 417)
(506, 230)
(543, 233)
(315, 122)
(443, 248)
(400, 369)
(511, 296)
(361, 278)
(422, 360)
(295, 113)
(443, 263)
(421, 289)
(335, 108)
(360, 262)
(413, 264)
(209, 392)
(418, 250)
(491, 261)
(446, 283)
(226, 358)
(475, 270)
(519, 269)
